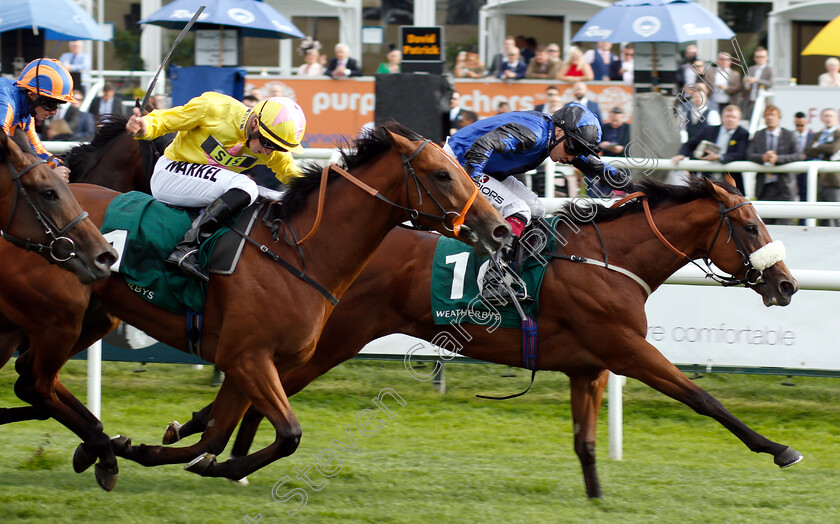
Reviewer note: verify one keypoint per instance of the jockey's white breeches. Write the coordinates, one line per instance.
(196, 185)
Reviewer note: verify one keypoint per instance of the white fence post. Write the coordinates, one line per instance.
(94, 379)
(615, 414)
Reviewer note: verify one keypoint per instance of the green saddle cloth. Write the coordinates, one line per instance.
(455, 293)
(144, 232)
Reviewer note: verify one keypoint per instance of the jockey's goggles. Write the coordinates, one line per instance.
(268, 144)
(575, 146)
(49, 104)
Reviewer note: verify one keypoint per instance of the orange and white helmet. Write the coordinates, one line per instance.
(282, 122)
(47, 77)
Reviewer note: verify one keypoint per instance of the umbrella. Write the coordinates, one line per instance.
(653, 21)
(62, 19)
(827, 41)
(252, 17)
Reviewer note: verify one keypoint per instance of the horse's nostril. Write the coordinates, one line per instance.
(787, 288)
(106, 259)
(501, 232)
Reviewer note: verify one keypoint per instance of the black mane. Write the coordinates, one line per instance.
(365, 148)
(657, 193)
(83, 157)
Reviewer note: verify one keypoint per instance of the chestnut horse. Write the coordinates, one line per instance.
(39, 213)
(575, 298)
(263, 321)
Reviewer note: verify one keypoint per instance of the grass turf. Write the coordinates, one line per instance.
(450, 458)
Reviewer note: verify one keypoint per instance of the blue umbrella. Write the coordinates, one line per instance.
(252, 17)
(62, 19)
(653, 21)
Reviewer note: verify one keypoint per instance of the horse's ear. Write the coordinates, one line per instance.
(729, 180)
(717, 191)
(400, 143)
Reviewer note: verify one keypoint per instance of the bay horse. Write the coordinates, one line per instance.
(591, 320)
(261, 321)
(39, 213)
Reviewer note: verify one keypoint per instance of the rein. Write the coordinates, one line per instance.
(57, 236)
(414, 214)
(752, 275)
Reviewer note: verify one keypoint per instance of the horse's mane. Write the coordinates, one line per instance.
(83, 157)
(365, 148)
(657, 193)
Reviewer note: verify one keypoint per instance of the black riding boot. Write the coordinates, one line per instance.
(217, 214)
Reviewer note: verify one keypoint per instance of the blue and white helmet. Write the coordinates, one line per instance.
(581, 129)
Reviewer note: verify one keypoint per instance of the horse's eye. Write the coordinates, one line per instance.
(752, 229)
(49, 194)
(443, 176)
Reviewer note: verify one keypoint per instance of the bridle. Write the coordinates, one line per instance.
(58, 237)
(752, 275)
(410, 175)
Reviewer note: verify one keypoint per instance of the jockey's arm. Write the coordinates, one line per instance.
(283, 166)
(504, 139)
(592, 166)
(180, 118)
(7, 117)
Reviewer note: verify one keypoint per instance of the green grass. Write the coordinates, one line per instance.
(448, 459)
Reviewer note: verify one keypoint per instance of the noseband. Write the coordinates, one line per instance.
(413, 213)
(752, 275)
(58, 237)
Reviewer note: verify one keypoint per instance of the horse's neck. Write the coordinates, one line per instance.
(353, 225)
(632, 244)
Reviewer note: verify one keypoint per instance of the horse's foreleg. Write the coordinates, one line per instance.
(228, 407)
(587, 391)
(268, 397)
(38, 384)
(645, 363)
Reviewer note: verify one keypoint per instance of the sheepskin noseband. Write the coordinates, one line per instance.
(767, 255)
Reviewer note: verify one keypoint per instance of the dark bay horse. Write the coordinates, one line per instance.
(591, 320)
(39, 213)
(262, 321)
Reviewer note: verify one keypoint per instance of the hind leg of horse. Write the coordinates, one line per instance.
(645, 363)
(587, 392)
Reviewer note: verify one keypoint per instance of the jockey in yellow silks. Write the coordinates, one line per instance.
(218, 138)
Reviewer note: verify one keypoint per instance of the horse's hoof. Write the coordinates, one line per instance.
(241, 482)
(201, 463)
(82, 460)
(105, 479)
(787, 458)
(172, 433)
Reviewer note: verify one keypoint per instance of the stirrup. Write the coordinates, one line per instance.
(496, 293)
(187, 266)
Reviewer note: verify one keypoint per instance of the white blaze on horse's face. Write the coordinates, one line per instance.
(767, 255)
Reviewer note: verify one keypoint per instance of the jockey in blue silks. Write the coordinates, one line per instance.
(493, 149)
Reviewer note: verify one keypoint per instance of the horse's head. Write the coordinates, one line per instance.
(743, 248)
(443, 188)
(38, 212)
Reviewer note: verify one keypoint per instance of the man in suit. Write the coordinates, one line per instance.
(552, 101)
(803, 138)
(342, 66)
(616, 134)
(825, 145)
(774, 146)
(726, 83)
(579, 92)
(109, 102)
(601, 60)
(760, 76)
(453, 117)
(731, 139)
(495, 66)
(514, 68)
